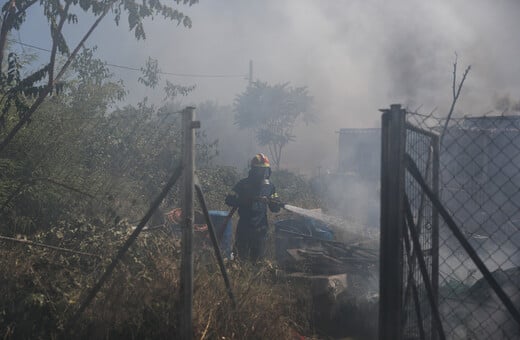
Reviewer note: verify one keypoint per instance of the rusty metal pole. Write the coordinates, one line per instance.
(392, 219)
(186, 291)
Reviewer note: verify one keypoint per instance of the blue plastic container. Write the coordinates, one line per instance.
(226, 241)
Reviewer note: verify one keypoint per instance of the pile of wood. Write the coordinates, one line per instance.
(342, 275)
(316, 243)
(327, 257)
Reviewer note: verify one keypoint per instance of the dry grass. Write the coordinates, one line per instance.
(267, 307)
(40, 289)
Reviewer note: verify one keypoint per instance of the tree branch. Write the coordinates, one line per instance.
(6, 27)
(279, 156)
(63, 185)
(32, 181)
(456, 93)
(37, 244)
(54, 34)
(9, 17)
(273, 156)
(27, 115)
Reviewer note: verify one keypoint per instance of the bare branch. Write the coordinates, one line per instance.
(456, 92)
(454, 74)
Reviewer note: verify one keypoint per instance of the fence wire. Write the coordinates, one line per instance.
(479, 184)
(417, 318)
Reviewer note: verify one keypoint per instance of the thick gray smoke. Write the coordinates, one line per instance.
(355, 56)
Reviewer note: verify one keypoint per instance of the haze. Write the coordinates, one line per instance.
(355, 57)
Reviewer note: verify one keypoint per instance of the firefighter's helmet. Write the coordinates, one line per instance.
(260, 161)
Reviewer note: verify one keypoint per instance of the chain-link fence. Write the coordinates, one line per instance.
(454, 205)
(421, 221)
(479, 186)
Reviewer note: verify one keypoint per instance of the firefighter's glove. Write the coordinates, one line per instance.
(231, 200)
(275, 206)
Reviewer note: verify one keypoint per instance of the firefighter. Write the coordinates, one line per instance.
(253, 195)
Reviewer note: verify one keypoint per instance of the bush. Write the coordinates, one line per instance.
(41, 288)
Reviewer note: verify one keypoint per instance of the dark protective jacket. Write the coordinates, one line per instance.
(253, 195)
(253, 200)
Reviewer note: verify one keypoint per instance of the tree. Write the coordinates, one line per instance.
(272, 111)
(28, 93)
(82, 157)
(46, 163)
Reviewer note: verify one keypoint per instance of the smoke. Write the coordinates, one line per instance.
(355, 56)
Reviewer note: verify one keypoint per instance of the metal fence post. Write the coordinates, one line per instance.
(392, 219)
(188, 160)
(435, 228)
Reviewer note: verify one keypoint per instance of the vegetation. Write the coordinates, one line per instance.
(41, 289)
(79, 175)
(24, 90)
(295, 190)
(81, 186)
(272, 111)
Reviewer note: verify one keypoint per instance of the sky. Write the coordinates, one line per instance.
(355, 56)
